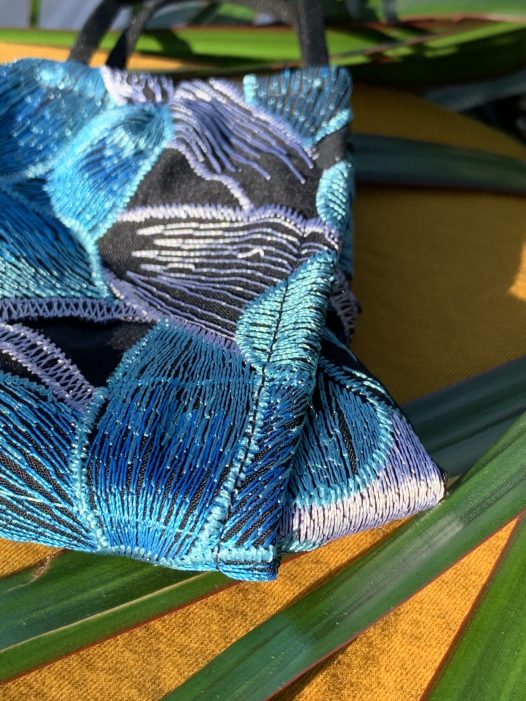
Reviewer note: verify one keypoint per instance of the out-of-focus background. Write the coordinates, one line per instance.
(468, 56)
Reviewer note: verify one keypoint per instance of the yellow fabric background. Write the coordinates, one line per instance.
(442, 280)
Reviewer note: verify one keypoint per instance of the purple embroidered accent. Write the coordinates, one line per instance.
(42, 357)
(214, 128)
(218, 135)
(407, 484)
(345, 304)
(14, 309)
(124, 87)
(205, 264)
(157, 312)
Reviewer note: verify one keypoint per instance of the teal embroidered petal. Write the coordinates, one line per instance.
(314, 102)
(101, 168)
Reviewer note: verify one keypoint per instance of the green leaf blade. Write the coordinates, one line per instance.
(472, 414)
(78, 599)
(413, 9)
(275, 653)
(386, 160)
(488, 661)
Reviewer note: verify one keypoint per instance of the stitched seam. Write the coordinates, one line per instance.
(257, 410)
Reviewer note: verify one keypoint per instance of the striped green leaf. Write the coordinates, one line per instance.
(468, 95)
(385, 160)
(49, 611)
(283, 648)
(418, 9)
(75, 599)
(488, 661)
(388, 55)
(472, 418)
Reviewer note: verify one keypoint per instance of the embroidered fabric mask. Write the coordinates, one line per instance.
(169, 250)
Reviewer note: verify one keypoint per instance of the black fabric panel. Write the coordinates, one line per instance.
(333, 147)
(172, 181)
(283, 188)
(96, 349)
(9, 364)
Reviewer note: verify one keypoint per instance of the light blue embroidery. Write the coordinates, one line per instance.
(279, 333)
(283, 326)
(333, 202)
(162, 449)
(38, 496)
(40, 257)
(358, 462)
(314, 102)
(41, 357)
(42, 103)
(100, 169)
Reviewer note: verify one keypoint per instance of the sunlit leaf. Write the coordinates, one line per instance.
(453, 52)
(273, 654)
(488, 661)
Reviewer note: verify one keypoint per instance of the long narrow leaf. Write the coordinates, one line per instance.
(387, 55)
(472, 418)
(275, 653)
(418, 9)
(489, 660)
(77, 599)
(469, 95)
(47, 612)
(385, 160)
(445, 58)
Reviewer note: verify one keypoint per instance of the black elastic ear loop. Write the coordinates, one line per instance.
(312, 36)
(307, 21)
(95, 28)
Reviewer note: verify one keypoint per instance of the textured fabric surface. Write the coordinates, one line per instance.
(191, 214)
(394, 660)
(169, 252)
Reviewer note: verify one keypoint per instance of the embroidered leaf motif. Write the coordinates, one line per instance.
(358, 464)
(205, 264)
(100, 169)
(283, 325)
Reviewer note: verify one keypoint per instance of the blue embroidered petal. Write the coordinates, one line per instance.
(315, 102)
(333, 202)
(100, 169)
(40, 258)
(40, 489)
(218, 133)
(358, 464)
(42, 103)
(283, 326)
(161, 454)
